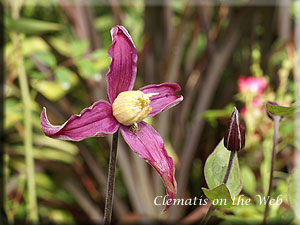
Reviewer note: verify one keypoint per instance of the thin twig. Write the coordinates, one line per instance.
(171, 64)
(284, 20)
(81, 197)
(143, 181)
(32, 204)
(111, 179)
(116, 11)
(276, 124)
(126, 170)
(157, 30)
(29, 157)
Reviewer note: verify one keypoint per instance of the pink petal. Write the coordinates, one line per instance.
(148, 144)
(166, 97)
(122, 69)
(96, 120)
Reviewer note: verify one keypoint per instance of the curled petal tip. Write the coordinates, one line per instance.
(171, 189)
(148, 144)
(96, 120)
(122, 69)
(166, 97)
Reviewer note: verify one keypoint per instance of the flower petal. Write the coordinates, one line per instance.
(96, 120)
(122, 69)
(148, 144)
(166, 97)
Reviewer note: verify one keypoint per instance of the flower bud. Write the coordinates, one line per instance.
(234, 138)
(131, 107)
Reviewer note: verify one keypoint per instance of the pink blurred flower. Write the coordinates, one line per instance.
(256, 102)
(256, 85)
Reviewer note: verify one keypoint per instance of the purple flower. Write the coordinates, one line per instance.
(125, 110)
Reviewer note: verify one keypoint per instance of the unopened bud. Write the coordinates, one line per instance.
(131, 107)
(234, 138)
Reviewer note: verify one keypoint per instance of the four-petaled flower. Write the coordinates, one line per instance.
(125, 110)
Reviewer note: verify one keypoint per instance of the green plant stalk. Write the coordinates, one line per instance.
(208, 215)
(111, 179)
(29, 159)
(276, 125)
(212, 208)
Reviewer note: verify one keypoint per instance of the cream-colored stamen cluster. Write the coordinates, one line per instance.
(131, 107)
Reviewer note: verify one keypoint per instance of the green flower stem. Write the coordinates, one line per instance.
(212, 208)
(111, 179)
(276, 125)
(29, 159)
(208, 215)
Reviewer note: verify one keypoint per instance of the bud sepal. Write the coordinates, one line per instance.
(234, 138)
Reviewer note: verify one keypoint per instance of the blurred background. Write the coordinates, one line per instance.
(221, 54)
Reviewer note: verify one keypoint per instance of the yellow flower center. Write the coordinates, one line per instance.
(131, 107)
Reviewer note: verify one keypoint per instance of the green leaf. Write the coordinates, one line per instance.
(61, 45)
(285, 217)
(277, 110)
(86, 68)
(219, 196)
(215, 169)
(47, 87)
(103, 23)
(79, 47)
(13, 111)
(63, 75)
(212, 115)
(28, 46)
(46, 58)
(293, 192)
(100, 54)
(64, 146)
(46, 153)
(101, 60)
(36, 75)
(32, 26)
(248, 180)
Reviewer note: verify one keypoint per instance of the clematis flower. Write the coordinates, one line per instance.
(256, 85)
(125, 110)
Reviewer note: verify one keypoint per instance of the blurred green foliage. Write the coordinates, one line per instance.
(66, 65)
